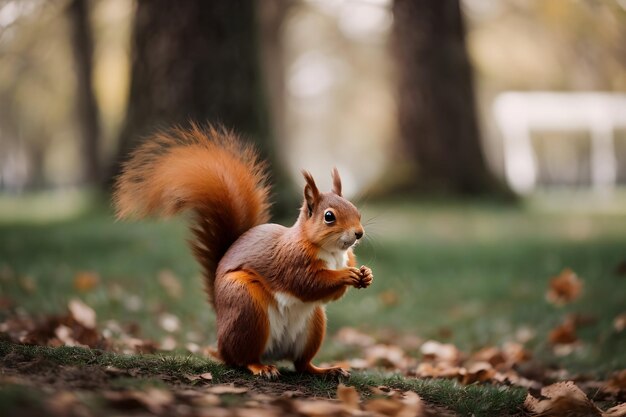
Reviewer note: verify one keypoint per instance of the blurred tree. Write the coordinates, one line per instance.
(197, 60)
(87, 107)
(437, 114)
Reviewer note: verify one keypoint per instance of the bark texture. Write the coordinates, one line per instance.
(87, 107)
(437, 112)
(195, 60)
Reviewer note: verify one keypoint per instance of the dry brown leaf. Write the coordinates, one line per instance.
(168, 343)
(254, 412)
(169, 322)
(226, 389)
(490, 354)
(447, 352)
(62, 403)
(351, 336)
(206, 400)
(64, 334)
(619, 323)
(564, 288)
(565, 333)
(86, 280)
(385, 406)
(515, 353)
(388, 356)
(439, 370)
(154, 400)
(82, 313)
(616, 383)
(318, 408)
(348, 396)
(207, 376)
(170, 283)
(476, 372)
(617, 411)
(561, 399)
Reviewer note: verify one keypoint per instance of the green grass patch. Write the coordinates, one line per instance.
(473, 274)
(477, 400)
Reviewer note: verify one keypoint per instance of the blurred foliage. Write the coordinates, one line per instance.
(339, 101)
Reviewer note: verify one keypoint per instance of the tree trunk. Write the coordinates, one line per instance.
(195, 60)
(437, 113)
(87, 107)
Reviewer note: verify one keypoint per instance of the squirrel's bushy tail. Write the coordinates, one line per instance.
(206, 170)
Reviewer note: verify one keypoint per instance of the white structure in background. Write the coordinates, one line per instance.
(518, 114)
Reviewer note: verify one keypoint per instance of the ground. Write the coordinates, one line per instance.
(464, 276)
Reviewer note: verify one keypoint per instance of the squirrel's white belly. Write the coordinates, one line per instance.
(289, 320)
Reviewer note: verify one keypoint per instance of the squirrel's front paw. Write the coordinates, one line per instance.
(366, 277)
(353, 277)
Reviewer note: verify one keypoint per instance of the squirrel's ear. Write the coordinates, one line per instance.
(311, 193)
(336, 181)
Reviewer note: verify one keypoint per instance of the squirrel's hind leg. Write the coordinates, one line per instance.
(317, 331)
(241, 303)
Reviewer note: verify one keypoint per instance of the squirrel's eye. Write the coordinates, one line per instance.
(329, 217)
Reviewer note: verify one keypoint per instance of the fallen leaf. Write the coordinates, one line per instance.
(617, 411)
(564, 288)
(385, 406)
(525, 334)
(619, 323)
(207, 376)
(491, 355)
(62, 403)
(206, 400)
(348, 396)
(64, 334)
(476, 372)
(168, 343)
(616, 383)
(440, 351)
(388, 356)
(169, 322)
(82, 313)
(561, 399)
(438, 370)
(86, 281)
(192, 347)
(413, 405)
(353, 337)
(564, 333)
(318, 408)
(154, 400)
(226, 389)
(170, 283)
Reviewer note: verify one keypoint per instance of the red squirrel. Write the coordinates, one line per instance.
(267, 283)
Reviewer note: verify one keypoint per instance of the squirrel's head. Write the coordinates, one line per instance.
(329, 220)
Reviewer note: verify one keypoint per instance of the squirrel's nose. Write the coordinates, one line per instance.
(358, 234)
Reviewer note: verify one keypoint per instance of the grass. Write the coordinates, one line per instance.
(465, 400)
(473, 274)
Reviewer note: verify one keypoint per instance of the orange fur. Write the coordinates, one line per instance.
(206, 170)
(255, 273)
